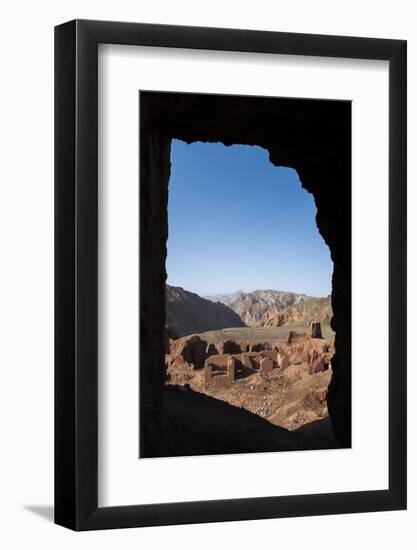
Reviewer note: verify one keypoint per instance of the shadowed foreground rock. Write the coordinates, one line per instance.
(196, 424)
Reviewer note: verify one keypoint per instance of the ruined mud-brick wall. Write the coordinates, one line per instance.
(311, 136)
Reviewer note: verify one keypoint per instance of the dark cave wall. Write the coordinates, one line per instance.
(154, 170)
(312, 136)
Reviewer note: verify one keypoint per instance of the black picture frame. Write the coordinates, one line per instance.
(76, 269)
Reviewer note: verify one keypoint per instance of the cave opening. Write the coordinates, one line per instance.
(246, 266)
(297, 133)
(230, 211)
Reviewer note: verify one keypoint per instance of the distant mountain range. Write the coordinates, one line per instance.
(226, 299)
(255, 308)
(303, 313)
(187, 313)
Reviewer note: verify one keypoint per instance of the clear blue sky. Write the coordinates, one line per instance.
(236, 222)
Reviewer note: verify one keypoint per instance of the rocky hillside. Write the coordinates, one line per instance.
(303, 313)
(188, 313)
(255, 308)
(226, 299)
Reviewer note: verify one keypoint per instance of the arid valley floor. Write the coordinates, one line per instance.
(278, 373)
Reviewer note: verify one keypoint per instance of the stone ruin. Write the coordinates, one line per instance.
(316, 330)
(315, 327)
(294, 336)
(224, 362)
(221, 369)
(219, 374)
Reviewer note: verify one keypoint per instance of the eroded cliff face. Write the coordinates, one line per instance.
(188, 313)
(255, 308)
(303, 313)
(311, 136)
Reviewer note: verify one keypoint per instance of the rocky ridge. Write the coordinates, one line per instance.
(187, 313)
(255, 308)
(303, 313)
(225, 299)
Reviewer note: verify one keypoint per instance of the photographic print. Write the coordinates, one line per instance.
(230, 206)
(253, 203)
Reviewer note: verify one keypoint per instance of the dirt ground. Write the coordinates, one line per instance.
(289, 398)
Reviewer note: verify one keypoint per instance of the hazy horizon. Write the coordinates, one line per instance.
(238, 223)
(286, 290)
(249, 291)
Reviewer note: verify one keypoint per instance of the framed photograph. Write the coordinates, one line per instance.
(230, 275)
